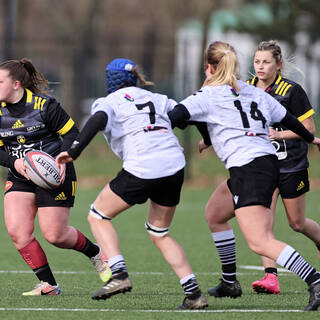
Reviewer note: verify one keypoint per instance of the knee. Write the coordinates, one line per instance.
(296, 225)
(19, 237)
(216, 216)
(54, 237)
(156, 234)
(257, 247)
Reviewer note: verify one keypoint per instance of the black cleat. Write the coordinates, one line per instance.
(225, 289)
(120, 283)
(314, 300)
(195, 300)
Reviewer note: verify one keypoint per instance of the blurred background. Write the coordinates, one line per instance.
(72, 41)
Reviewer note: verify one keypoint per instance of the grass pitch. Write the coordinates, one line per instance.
(156, 290)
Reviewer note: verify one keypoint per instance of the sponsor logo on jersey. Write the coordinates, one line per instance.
(61, 196)
(17, 124)
(6, 134)
(235, 199)
(128, 97)
(21, 150)
(300, 186)
(21, 139)
(35, 128)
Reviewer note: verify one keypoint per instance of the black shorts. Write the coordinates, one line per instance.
(63, 196)
(133, 190)
(254, 183)
(294, 184)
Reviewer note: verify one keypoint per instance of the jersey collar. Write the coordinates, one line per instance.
(29, 98)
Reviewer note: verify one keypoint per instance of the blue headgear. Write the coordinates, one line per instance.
(118, 73)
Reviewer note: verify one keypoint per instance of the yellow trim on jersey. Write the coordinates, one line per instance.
(306, 115)
(284, 88)
(39, 103)
(74, 188)
(279, 87)
(1, 143)
(29, 96)
(287, 88)
(66, 127)
(3, 104)
(278, 80)
(0, 112)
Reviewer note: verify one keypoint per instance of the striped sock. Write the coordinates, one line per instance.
(226, 246)
(117, 264)
(189, 284)
(289, 258)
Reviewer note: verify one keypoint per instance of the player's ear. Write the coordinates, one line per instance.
(16, 84)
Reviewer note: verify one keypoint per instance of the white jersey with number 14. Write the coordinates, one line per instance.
(238, 123)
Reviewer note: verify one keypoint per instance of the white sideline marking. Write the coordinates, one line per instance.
(262, 268)
(149, 311)
(258, 268)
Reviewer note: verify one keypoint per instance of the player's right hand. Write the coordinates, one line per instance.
(316, 141)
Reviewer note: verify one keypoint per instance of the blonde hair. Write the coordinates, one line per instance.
(223, 58)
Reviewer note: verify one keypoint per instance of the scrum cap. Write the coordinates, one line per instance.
(119, 73)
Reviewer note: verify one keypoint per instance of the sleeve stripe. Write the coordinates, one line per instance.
(306, 115)
(66, 127)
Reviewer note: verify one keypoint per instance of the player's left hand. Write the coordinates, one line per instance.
(274, 134)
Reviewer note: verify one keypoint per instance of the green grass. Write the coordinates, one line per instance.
(156, 290)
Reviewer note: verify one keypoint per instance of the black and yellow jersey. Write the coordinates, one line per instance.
(292, 153)
(36, 122)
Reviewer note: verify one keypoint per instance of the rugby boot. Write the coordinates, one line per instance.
(268, 284)
(119, 283)
(225, 289)
(44, 289)
(314, 300)
(196, 300)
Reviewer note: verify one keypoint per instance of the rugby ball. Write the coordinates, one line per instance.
(42, 169)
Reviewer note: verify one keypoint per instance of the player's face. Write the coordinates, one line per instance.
(265, 66)
(7, 86)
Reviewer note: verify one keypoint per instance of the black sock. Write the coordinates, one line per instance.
(313, 277)
(271, 270)
(90, 249)
(44, 274)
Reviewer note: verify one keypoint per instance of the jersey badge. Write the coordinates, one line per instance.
(129, 98)
(21, 139)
